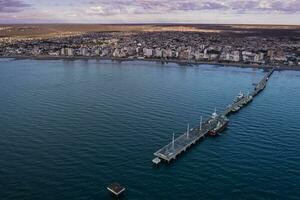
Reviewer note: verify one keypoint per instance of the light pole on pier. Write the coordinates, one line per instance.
(187, 131)
(200, 124)
(173, 141)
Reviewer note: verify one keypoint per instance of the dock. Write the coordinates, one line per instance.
(248, 98)
(186, 140)
(191, 136)
(116, 189)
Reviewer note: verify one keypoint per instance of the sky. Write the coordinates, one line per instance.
(151, 11)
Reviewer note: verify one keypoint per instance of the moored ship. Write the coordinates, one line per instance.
(239, 97)
(236, 108)
(221, 123)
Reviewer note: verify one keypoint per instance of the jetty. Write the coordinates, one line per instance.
(116, 189)
(191, 136)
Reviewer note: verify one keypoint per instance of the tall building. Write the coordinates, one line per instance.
(236, 56)
(67, 52)
(270, 54)
(70, 52)
(84, 51)
(62, 51)
(147, 52)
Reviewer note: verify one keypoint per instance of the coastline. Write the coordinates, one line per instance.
(179, 62)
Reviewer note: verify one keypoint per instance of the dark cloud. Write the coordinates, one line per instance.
(9, 6)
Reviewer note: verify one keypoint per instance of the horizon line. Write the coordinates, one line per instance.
(145, 23)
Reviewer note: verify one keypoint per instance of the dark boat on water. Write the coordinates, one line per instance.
(219, 128)
(222, 122)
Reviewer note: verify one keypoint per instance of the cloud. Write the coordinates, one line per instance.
(113, 7)
(288, 6)
(119, 11)
(10, 6)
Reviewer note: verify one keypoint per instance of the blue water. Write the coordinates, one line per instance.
(70, 128)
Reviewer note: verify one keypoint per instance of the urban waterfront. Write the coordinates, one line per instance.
(70, 128)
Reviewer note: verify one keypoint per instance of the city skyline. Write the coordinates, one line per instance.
(155, 11)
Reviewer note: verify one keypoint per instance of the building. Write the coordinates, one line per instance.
(198, 55)
(236, 56)
(97, 52)
(84, 51)
(67, 52)
(70, 52)
(147, 52)
(167, 53)
(63, 52)
(158, 53)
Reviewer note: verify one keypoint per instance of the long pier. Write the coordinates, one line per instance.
(191, 136)
(247, 98)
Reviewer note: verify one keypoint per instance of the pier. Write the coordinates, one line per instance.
(193, 135)
(116, 189)
(246, 99)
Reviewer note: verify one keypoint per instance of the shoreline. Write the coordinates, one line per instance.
(179, 62)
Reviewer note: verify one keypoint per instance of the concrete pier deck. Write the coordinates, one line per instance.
(186, 140)
(191, 136)
(245, 100)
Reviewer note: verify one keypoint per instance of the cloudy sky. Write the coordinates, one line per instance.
(151, 11)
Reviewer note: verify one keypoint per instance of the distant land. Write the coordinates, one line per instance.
(52, 30)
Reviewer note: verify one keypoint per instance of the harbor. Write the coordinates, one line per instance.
(215, 124)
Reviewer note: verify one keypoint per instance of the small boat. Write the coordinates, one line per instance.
(156, 160)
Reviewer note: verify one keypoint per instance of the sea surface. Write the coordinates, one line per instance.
(70, 128)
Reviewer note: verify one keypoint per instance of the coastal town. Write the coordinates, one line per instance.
(190, 47)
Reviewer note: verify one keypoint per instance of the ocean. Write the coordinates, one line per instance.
(70, 128)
